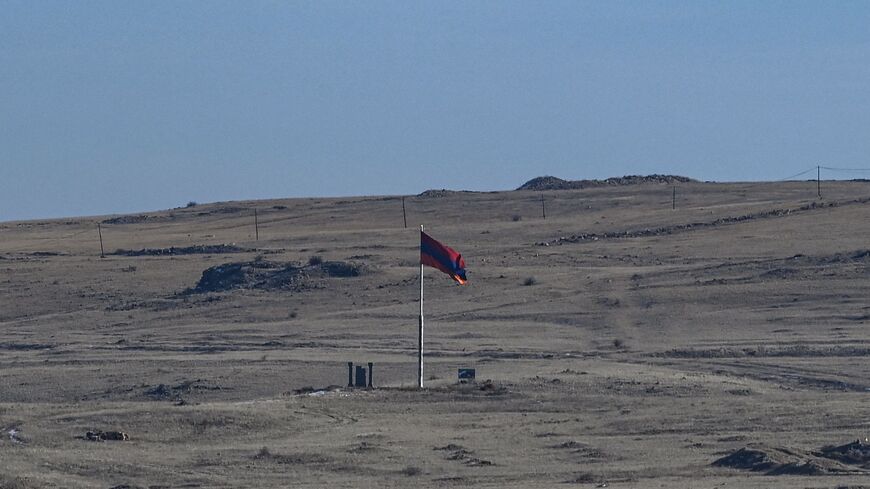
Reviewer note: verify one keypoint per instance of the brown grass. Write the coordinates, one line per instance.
(739, 331)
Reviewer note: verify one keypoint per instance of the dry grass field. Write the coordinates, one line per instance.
(617, 342)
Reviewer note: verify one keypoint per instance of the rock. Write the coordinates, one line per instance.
(268, 275)
(106, 436)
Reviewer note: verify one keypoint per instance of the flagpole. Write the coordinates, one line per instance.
(420, 332)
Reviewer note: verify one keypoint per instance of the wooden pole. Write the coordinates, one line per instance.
(100, 230)
(256, 226)
(543, 207)
(404, 216)
(819, 180)
(420, 331)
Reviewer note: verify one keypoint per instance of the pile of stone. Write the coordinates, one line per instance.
(218, 249)
(269, 275)
(554, 183)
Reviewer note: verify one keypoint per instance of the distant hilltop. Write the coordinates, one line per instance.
(555, 183)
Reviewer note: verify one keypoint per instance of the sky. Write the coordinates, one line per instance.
(115, 107)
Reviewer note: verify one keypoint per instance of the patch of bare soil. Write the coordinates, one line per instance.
(268, 275)
(799, 267)
(764, 351)
(856, 256)
(786, 461)
(459, 453)
(316, 391)
(587, 478)
(582, 449)
(694, 226)
(162, 392)
(9, 482)
(304, 458)
(222, 210)
(485, 388)
(25, 346)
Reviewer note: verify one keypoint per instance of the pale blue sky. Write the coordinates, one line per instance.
(126, 106)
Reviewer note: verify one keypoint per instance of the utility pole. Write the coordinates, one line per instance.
(674, 199)
(819, 180)
(256, 226)
(543, 207)
(404, 216)
(100, 230)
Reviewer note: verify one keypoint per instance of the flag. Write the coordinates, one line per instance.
(444, 258)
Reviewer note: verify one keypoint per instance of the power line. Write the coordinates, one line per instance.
(798, 174)
(844, 169)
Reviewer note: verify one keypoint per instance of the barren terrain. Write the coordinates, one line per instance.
(619, 341)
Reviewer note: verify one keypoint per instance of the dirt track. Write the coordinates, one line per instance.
(636, 359)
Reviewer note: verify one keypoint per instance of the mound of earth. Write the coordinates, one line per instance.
(341, 269)
(855, 453)
(549, 183)
(859, 256)
(786, 461)
(268, 275)
(554, 183)
(436, 193)
(185, 250)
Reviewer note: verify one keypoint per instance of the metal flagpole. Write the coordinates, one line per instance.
(420, 332)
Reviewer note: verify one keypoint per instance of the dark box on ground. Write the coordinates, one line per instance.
(466, 374)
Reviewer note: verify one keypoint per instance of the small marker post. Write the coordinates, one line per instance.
(256, 226)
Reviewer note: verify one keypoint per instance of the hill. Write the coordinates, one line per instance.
(617, 341)
(555, 183)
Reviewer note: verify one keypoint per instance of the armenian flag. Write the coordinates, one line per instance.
(444, 258)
